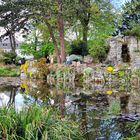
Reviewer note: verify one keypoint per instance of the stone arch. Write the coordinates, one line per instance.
(125, 53)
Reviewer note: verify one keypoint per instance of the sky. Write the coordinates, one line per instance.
(118, 3)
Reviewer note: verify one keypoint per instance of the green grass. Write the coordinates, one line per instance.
(37, 123)
(8, 72)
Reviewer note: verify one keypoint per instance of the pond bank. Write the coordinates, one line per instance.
(15, 81)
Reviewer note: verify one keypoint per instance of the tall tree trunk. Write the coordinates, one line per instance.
(84, 17)
(14, 43)
(11, 42)
(61, 31)
(54, 42)
(85, 34)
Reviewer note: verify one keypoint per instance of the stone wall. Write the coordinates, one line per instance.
(115, 53)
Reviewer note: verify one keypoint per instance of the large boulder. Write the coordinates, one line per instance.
(76, 58)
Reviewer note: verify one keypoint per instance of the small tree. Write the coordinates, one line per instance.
(98, 50)
(42, 50)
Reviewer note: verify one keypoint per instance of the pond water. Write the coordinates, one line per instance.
(104, 112)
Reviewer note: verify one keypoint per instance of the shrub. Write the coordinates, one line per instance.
(98, 50)
(37, 51)
(79, 48)
(9, 57)
(42, 68)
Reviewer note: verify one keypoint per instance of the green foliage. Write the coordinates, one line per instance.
(98, 50)
(36, 123)
(1, 55)
(42, 50)
(102, 26)
(130, 18)
(134, 129)
(88, 71)
(78, 48)
(133, 30)
(9, 72)
(136, 72)
(9, 57)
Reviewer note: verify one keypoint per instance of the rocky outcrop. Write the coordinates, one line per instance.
(120, 45)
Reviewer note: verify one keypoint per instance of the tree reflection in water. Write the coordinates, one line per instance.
(87, 105)
(9, 93)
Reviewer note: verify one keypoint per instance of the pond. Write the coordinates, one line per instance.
(104, 112)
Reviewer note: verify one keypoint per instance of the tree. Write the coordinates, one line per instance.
(13, 17)
(100, 26)
(60, 15)
(61, 29)
(130, 18)
(38, 42)
(51, 14)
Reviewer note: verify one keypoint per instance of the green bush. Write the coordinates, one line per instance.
(36, 123)
(78, 48)
(98, 50)
(9, 57)
(37, 51)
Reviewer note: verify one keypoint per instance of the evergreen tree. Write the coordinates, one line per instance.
(13, 17)
(130, 19)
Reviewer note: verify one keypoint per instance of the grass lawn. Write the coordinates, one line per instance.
(6, 71)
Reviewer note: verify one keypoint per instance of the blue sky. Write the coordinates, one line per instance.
(118, 3)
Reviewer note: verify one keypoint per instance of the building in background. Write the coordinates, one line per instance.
(6, 46)
(5, 43)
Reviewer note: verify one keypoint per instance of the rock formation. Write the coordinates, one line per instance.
(124, 50)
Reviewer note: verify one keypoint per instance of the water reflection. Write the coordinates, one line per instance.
(98, 113)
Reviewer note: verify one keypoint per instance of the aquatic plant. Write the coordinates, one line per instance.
(36, 123)
(87, 73)
(134, 128)
(114, 107)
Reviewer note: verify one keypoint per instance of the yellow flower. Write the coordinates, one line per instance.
(109, 92)
(31, 73)
(24, 86)
(110, 68)
(25, 67)
(21, 67)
